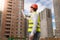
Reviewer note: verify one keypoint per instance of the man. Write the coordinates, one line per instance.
(34, 23)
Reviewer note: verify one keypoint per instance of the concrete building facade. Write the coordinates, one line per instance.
(57, 16)
(46, 23)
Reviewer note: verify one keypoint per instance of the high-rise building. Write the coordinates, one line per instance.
(46, 23)
(12, 19)
(57, 16)
(0, 23)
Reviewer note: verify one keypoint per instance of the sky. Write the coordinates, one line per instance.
(1, 4)
(42, 4)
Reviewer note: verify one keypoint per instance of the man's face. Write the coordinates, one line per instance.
(31, 9)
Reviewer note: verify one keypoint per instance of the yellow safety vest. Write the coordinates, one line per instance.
(31, 24)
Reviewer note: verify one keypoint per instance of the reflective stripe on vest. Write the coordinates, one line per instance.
(31, 25)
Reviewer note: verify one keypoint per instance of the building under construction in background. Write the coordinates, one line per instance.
(46, 23)
(13, 25)
(57, 17)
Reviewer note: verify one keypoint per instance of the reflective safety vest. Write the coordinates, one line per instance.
(31, 24)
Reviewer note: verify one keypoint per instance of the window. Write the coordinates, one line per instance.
(8, 11)
(7, 24)
(16, 29)
(21, 22)
(7, 36)
(7, 28)
(17, 22)
(21, 29)
(14, 3)
(21, 19)
(12, 28)
(10, 1)
(9, 5)
(11, 32)
(8, 17)
(49, 13)
(21, 16)
(20, 25)
(17, 18)
(16, 32)
(7, 32)
(20, 32)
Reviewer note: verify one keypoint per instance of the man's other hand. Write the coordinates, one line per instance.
(31, 37)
